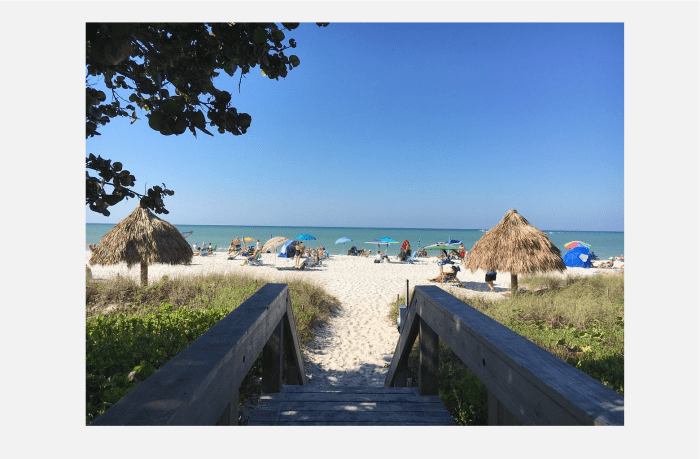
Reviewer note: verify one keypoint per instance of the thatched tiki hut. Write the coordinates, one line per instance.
(514, 246)
(142, 238)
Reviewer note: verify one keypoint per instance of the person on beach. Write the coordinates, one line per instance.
(462, 252)
(235, 246)
(380, 255)
(489, 278)
(445, 276)
(402, 255)
(251, 258)
(299, 253)
(210, 251)
(257, 244)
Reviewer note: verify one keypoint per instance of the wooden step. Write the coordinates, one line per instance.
(341, 406)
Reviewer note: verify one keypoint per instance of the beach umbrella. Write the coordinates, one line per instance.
(384, 240)
(273, 243)
(574, 244)
(343, 240)
(439, 246)
(514, 246)
(186, 233)
(305, 237)
(142, 238)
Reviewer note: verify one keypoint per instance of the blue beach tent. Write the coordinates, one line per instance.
(578, 257)
(288, 249)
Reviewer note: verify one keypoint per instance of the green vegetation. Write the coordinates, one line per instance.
(132, 331)
(580, 320)
(168, 71)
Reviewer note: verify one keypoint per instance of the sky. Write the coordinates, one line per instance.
(422, 125)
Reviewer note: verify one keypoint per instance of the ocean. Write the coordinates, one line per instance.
(605, 244)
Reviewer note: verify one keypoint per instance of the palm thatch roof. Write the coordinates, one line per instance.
(142, 238)
(514, 246)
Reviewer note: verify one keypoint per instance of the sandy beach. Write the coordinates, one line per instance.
(357, 344)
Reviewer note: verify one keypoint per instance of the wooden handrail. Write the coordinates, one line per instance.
(199, 386)
(526, 384)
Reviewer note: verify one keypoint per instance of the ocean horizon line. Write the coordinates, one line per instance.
(372, 227)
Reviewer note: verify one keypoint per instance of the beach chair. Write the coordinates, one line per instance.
(255, 261)
(412, 258)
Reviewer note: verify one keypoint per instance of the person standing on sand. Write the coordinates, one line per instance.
(489, 278)
(299, 253)
(462, 252)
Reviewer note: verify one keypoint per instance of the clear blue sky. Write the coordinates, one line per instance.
(406, 125)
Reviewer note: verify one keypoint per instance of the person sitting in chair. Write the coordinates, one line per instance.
(251, 258)
(402, 255)
(446, 276)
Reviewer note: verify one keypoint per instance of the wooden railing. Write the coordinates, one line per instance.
(526, 384)
(199, 386)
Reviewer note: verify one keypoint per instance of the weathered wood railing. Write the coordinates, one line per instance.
(199, 386)
(526, 384)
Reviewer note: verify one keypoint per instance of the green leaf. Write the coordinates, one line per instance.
(294, 60)
(260, 36)
(155, 120)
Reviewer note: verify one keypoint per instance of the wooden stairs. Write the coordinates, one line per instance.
(349, 406)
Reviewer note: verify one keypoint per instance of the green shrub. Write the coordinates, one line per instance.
(149, 325)
(578, 319)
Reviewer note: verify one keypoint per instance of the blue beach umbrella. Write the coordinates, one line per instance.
(343, 240)
(305, 237)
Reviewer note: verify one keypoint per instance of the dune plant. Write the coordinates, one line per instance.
(579, 319)
(131, 331)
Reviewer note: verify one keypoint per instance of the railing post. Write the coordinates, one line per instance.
(428, 382)
(230, 415)
(498, 415)
(272, 360)
(293, 374)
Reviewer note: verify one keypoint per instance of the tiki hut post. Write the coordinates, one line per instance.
(514, 246)
(144, 273)
(142, 238)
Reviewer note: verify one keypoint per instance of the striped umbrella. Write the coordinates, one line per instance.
(572, 244)
(273, 243)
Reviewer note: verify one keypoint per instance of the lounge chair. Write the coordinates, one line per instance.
(411, 259)
(255, 260)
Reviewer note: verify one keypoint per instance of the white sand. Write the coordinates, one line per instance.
(356, 346)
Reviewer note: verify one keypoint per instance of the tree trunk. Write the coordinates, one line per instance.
(513, 284)
(144, 274)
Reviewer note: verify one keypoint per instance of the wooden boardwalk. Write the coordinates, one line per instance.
(356, 406)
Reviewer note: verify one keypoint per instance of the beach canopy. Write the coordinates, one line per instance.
(142, 238)
(305, 237)
(289, 248)
(578, 257)
(514, 246)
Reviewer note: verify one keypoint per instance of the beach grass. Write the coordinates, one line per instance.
(580, 319)
(131, 331)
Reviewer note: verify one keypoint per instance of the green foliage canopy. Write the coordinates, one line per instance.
(168, 71)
